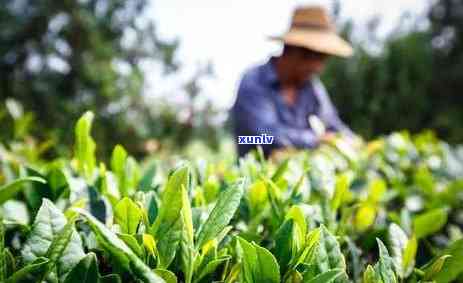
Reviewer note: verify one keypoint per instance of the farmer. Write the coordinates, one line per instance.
(277, 98)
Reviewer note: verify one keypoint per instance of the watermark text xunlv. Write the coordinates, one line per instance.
(262, 139)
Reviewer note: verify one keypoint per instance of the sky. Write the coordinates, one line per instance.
(233, 35)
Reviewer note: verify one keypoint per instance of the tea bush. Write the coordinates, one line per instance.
(389, 210)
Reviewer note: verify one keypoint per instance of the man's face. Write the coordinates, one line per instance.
(307, 63)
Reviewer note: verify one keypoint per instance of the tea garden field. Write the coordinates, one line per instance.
(388, 210)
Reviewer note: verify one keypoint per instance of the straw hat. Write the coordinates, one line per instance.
(312, 28)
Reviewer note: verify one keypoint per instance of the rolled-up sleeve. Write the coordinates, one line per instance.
(254, 113)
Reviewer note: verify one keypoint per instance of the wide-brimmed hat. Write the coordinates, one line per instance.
(312, 28)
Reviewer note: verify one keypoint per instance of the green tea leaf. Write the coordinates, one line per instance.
(364, 217)
(57, 247)
(118, 163)
(326, 277)
(284, 248)
(452, 267)
(146, 181)
(168, 276)
(329, 254)
(259, 265)
(187, 244)
(120, 251)
(128, 215)
(281, 170)
(429, 222)
(435, 268)
(30, 272)
(398, 241)
(86, 271)
(171, 206)
(341, 188)
(8, 191)
(48, 224)
(296, 213)
(211, 266)
(227, 203)
(385, 265)
(85, 146)
(269, 271)
(409, 255)
(370, 276)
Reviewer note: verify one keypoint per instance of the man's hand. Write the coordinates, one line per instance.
(328, 137)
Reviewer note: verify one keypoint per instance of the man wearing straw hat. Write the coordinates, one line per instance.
(277, 98)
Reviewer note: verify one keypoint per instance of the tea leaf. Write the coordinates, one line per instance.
(48, 224)
(8, 191)
(223, 211)
(429, 222)
(117, 248)
(128, 215)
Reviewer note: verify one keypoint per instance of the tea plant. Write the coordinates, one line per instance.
(385, 211)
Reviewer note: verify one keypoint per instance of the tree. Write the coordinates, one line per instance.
(60, 58)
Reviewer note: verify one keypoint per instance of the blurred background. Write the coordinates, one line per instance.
(161, 75)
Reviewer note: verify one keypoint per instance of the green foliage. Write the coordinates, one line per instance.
(257, 220)
(429, 222)
(10, 190)
(413, 68)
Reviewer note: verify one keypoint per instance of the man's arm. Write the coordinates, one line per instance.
(328, 113)
(255, 114)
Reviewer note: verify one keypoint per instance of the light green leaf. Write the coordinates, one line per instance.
(296, 213)
(133, 244)
(429, 222)
(168, 276)
(341, 189)
(293, 276)
(227, 203)
(452, 267)
(128, 215)
(171, 207)
(281, 170)
(435, 268)
(8, 191)
(49, 222)
(85, 146)
(364, 216)
(118, 164)
(326, 277)
(259, 265)
(409, 255)
(187, 244)
(370, 276)
(269, 269)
